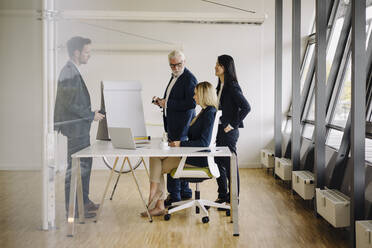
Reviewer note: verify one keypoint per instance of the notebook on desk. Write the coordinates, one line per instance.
(122, 138)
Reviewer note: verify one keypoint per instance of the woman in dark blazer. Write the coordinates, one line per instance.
(234, 108)
(199, 135)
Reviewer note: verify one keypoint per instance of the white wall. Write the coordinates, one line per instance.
(251, 46)
(20, 86)
(202, 44)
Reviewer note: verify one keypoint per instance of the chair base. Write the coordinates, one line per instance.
(201, 204)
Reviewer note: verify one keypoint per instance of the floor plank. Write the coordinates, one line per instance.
(269, 217)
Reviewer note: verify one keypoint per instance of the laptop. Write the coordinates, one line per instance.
(122, 137)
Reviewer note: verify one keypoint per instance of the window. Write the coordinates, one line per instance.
(306, 65)
(368, 22)
(332, 44)
(288, 126)
(343, 103)
(311, 113)
(368, 150)
(334, 138)
(308, 131)
(369, 14)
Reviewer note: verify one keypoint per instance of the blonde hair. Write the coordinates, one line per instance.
(206, 94)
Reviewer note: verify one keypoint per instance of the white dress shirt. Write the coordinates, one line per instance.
(171, 84)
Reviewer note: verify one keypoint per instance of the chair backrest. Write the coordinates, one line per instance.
(211, 164)
(190, 173)
(215, 129)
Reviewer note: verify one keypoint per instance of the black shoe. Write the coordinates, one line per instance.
(91, 206)
(220, 200)
(168, 202)
(89, 215)
(186, 195)
(227, 202)
(185, 198)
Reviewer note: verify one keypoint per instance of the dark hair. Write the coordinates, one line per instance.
(76, 43)
(229, 66)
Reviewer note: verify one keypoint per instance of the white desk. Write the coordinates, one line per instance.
(105, 149)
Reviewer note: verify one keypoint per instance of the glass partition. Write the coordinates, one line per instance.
(127, 41)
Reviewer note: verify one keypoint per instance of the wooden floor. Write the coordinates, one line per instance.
(269, 217)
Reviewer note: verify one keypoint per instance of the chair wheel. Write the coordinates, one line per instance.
(205, 219)
(228, 212)
(167, 217)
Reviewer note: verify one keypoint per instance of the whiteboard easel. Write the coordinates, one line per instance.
(122, 102)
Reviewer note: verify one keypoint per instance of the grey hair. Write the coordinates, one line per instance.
(176, 54)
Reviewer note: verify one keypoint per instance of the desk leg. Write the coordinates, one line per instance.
(234, 195)
(71, 208)
(139, 190)
(106, 188)
(80, 194)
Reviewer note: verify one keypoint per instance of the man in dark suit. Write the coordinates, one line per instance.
(178, 110)
(73, 116)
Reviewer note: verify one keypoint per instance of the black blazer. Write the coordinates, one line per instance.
(200, 135)
(180, 106)
(72, 111)
(233, 104)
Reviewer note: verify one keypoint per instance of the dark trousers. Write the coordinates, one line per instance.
(74, 145)
(226, 139)
(178, 188)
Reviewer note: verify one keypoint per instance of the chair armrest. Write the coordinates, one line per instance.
(180, 167)
(213, 167)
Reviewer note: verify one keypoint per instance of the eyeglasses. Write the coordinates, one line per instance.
(176, 65)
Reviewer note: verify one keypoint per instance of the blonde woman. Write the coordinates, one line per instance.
(199, 135)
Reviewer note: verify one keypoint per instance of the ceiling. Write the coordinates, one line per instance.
(161, 5)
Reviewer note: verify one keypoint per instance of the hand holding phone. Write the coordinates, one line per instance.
(158, 101)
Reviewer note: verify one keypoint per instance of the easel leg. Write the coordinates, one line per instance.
(106, 188)
(71, 208)
(117, 180)
(139, 190)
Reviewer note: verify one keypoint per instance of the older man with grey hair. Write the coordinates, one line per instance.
(178, 110)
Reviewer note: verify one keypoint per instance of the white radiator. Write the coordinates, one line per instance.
(267, 158)
(283, 168)
(363, 234)
(333, 206)
(303, 184)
